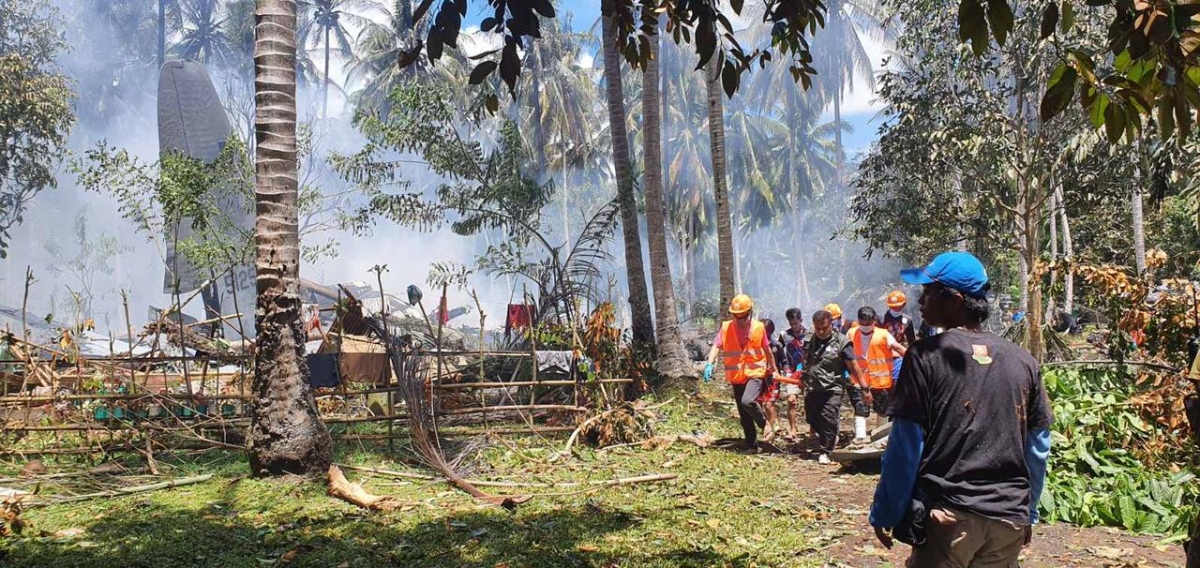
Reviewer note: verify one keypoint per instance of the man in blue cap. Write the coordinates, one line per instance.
(966, 459)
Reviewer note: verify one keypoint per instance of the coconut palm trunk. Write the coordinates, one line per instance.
(716, 135)
(325, 83)
(286, 433)
(639, 300)
(672, 361)
(162, 32)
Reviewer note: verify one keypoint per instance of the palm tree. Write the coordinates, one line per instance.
(380, 46)
(672, 361)
(639, 301)
(690, 211)
(716, 134)
(286, 432)
(167, 9)
(840, 55)
(204, 37)
(559, 98)
(330, 17)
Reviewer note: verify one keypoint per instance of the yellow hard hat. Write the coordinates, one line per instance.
(741, 304)
(834, 310)
(896, 300)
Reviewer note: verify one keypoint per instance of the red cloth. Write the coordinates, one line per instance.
(443, 312)
(520, 316)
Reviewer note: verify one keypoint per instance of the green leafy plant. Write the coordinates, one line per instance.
(1109, 464)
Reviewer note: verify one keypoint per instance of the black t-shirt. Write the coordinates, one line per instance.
(901, 327)
(976, 395)
(825, 361)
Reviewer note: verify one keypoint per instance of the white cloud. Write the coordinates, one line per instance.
(862, 100)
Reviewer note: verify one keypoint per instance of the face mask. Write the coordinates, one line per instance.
(894, 313)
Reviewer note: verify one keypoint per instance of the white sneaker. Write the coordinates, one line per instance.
(823, 459)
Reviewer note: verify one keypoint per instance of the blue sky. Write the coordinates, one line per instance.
(858, 107)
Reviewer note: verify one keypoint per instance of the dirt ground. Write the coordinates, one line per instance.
(838, 500)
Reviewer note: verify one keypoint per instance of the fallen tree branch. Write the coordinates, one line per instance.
(575, 435)
(598, 485)
(1086, 362)
(659, 442)
(522, 485)
(121, 491)
(354, 493)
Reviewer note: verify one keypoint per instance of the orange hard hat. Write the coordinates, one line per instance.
(741, 304)
(834, 310)
(896, 300)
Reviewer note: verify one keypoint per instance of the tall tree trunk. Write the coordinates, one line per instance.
(162, 32)
(1068, 248)
(1031, 286)
(716, 135)
(738, 239)
(796, 253)
(1052, 206)
(689, 287)
(672, 360)
(325, 87)
(837, 133)
(639, 300)
(539, 142)
(286, 433)
(1139, 229)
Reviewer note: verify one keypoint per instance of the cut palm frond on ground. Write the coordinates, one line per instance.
(422, 430)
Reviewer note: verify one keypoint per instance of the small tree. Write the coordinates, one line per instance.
(35, 107)
(484, 191)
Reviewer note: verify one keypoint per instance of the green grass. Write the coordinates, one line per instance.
(725, 509)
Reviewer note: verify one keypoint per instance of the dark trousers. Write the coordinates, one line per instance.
(821, 409)
(858, 402)
(881, 401)
(749, 410)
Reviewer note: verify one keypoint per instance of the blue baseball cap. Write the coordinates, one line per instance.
(956, 270)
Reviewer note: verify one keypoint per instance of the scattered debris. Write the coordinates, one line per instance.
(35, 467)
(51, 500)
(421, 429)
(354, 493)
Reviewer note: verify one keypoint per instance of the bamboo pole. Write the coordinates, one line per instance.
(500, 385)
(169, 397)
(514, 408)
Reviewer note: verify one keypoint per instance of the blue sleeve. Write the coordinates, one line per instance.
(893, 495)
(1037, 451)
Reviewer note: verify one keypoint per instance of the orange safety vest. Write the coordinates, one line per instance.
(874, 359)
(743, 362)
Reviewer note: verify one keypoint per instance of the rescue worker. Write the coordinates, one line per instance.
(876, 351)
(899, 325)
(793, 340)
(770, 391)
(840, 324)
(828, 356)
(858, 400)
(745, 352)
(966, 460)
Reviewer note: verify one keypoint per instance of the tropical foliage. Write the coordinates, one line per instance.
(1121, 453)
(35, 111)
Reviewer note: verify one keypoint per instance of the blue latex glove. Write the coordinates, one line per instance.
(708, 372)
